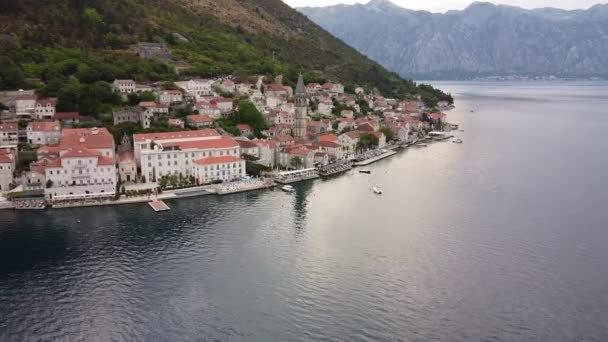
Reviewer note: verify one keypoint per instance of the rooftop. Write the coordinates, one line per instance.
(217, 160)
(201, 133)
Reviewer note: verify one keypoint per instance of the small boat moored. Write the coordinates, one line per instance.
(365, 171)
(421, 145)
(288, 188)
(457, 141)
(377, 190)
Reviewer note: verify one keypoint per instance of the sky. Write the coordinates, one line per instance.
(445, 5)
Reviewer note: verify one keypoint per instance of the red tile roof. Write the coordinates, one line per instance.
(328, 137)
(45, 126)
(126, 156)
(150, 104)
(244, 127)
(223, 142)
(9, 127)
(217, 160)
(103, 160)
(4, 159)
(201, 133)
(283, 138)
(300, 151)
(80, 153)
(90, 138)
(67, 115)
(329, 144)
(267, 143)
(353, 134)
(246, 144)
(367, 127)
(199, 118)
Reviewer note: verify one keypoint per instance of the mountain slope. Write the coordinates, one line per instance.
(57, 40)
(482, 40)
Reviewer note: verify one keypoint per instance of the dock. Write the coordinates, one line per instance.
(335, 168)
(375, 159)
(244, 186)
(296, 176)
(158, 206)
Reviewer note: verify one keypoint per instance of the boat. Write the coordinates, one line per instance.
(421, 144)
(365, 171)
(288, 188)
(377, 190)
(457, 141)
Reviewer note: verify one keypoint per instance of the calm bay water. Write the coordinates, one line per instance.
(502, 238)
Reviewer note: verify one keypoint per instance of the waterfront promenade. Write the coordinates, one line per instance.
(253, 184)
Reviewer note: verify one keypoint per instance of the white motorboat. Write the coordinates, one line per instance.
(288, 188)
(421, 145)
(377, 190)
(457, 141)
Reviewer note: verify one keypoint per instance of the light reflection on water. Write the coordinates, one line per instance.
(501, 238)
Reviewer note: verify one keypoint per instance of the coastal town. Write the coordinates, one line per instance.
(199, 136)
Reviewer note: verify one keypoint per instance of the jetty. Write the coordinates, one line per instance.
(290, 177)
(158, 206)
(335, 168)
(243, 186)
(375, 158)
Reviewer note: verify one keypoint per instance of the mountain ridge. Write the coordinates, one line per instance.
(57, 40)
(482, 40)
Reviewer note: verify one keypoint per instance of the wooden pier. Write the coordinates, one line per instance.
(158, 206)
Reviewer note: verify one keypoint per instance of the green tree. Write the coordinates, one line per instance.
(249, 114)
(296, 162)
(94, 19)
(366, 142)
(388, 133)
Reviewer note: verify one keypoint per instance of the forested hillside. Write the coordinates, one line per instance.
(73, 48)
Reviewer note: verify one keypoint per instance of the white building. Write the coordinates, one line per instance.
(7, 167)
(124, 86)
(175, 158)
(268, 152)
(147, 140)
(9, 133)
(325, 107)
(24, 106)
(149, 110)
(80, 172)
(223, 168)
(45, 109)
(43, 132)
(127, 166)
(170, 96)
(197, 88)
(83, 165)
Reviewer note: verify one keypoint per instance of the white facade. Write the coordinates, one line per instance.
(9, 134)
(7, 167)
(212, 169)
(145, 141)
(170, 96)
(44, 110)
(43, 133)
(124, 86)
(81, 172)
(197, 88)
(128, 170)
(24, 106)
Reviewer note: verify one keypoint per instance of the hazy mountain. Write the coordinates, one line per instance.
(482, 40)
